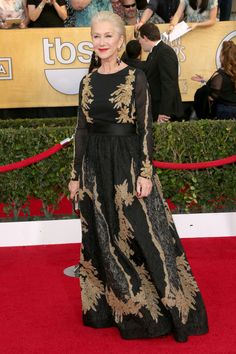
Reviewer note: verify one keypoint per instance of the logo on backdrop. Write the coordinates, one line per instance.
(66, 80)
(230, 37)
(5, 69)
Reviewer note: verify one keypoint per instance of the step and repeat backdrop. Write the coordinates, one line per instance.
(43, 67)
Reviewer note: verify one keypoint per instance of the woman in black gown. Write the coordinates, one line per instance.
(133, 270)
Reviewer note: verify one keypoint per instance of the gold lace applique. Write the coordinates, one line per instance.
(73, 174)
(183, 299)
(91, 287)
(125, 228)
(147, 295)
(121, 98)
(131, 305)
(150, 296)
(87, 97)
(120, 308)
(146, 169)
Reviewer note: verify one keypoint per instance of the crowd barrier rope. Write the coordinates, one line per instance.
(164, 165)
(36, 158)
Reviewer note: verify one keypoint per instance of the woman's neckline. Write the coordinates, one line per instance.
(116, 72)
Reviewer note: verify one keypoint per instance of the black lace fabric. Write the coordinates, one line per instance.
(216, 85)
(133, 271)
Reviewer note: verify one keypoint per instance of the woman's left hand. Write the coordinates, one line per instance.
(143, 187)
(193, 25)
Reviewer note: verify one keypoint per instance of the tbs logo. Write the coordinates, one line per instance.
(66, 80)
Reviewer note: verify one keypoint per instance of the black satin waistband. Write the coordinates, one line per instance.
(121, 129)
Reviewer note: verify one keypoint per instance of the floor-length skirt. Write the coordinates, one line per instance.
(133, 270)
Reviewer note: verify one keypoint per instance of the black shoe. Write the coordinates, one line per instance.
(180, 337)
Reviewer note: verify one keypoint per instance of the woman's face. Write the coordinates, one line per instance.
(106, 40)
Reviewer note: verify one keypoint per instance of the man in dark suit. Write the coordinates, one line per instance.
(132, 55)
(162, 75)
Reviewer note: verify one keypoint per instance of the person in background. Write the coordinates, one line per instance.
(221, 87)
(162, 75)
(70, 21)
(13, 10)
(201, 13)
(132, 15)
(132, 55)
(163, 8)
(117, 8)
(86, 9)
(225, 7)
(133, 271)
(141, 4)
(47, 13)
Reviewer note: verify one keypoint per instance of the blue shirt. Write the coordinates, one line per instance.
(84, 17)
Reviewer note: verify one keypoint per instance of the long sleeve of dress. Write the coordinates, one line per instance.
(144, 124)
(80, 140)
(216, 85)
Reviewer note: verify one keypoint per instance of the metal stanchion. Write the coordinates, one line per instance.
(72, 271)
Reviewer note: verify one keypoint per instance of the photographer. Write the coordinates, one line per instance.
(13, 14)
(47, 13)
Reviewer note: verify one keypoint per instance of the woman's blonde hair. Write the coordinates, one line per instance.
(228, 61)
(114, 19)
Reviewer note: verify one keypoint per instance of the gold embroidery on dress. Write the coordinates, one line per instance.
(113, 260)
(87, 97)
(189, 286)
(73, 174)
(91, 287)
(147, 296)
(158, 246)
(123, 197)
(184, 299)
(150, 295)
(121, 308)
(122, 98)
(146, 169)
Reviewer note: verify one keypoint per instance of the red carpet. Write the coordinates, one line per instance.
(41, 311)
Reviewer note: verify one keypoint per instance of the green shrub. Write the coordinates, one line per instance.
(201, 190)
(36, 122)
(191, 190)
(46, 180)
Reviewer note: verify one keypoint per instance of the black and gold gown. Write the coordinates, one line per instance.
(133, 270)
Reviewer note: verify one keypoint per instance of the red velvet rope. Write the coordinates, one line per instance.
(194, 165)
(29, 161)
(159, 164)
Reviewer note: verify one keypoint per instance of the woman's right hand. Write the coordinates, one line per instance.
(73, 187)
(170, 28)
(198, 78)
(138, 25)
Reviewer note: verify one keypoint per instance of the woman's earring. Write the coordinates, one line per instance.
(96, 59)
(118, 60)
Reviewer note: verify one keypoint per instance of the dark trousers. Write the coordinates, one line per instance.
(225, 112)
(225, 7)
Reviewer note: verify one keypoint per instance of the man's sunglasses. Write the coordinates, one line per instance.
(128, 6)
